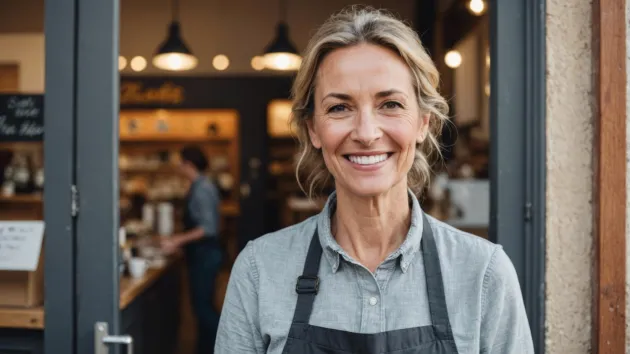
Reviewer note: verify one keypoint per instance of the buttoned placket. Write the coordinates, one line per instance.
(372, 289)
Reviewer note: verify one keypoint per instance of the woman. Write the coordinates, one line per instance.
(371, 273)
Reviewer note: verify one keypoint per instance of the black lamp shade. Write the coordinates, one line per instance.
(173, 54)
(281, 54)
(174, 42)
(282, 43)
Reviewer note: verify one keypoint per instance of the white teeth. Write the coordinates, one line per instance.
(368, 160)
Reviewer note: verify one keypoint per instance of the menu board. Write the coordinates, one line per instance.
(20, 244)
(21, 117)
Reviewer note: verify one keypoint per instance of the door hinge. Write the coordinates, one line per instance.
(74, 203)
(528, 212)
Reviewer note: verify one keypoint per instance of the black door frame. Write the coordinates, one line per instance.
(59, 164)
(81, 166)
(81, 61)
(96, 169)
(518, 147)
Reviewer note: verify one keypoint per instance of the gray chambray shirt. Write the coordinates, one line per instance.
(203, 206)
(483, 295)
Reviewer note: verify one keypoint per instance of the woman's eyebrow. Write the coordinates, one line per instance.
(341, 96)
(389, 92)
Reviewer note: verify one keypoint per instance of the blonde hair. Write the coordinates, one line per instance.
(352, 26)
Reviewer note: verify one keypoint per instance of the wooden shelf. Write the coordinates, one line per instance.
(20, 145)
(26, 198)
(159, 169)
(174, 139)
(228, 208)
(29, 318)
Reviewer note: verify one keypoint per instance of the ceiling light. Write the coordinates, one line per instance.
(220, 62)
(453, 59)
(281, 54)
(477, 7)
(173, 54)
(122, 62)
(258, 63)
(138, 63)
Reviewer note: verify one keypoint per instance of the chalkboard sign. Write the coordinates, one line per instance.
(21, 117)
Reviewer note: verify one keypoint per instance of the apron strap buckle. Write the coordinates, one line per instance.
(307, 284)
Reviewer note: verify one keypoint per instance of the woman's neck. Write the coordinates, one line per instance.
(369, 229)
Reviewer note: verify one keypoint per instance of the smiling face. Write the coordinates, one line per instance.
(366, 119)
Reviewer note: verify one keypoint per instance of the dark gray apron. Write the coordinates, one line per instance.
(433, 339)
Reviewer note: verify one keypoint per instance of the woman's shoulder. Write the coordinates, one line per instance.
(446, 233)
(462, 248)
(281, 249)
(288, 238)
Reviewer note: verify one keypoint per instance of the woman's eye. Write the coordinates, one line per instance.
(392, 105)
(337, 108)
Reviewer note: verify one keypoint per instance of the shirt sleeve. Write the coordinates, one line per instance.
(504, 325)
(204, 210)
(239, 329)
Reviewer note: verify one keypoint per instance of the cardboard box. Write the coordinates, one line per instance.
(23, 288)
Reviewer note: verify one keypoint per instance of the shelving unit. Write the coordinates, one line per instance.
(154, 138)
(157, 134)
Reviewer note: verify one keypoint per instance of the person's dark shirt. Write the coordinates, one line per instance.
(203, 206)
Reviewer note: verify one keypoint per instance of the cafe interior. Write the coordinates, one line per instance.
(216, 75)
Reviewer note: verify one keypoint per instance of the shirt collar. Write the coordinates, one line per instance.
(333, 252)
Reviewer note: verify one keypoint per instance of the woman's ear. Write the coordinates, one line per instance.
(317, 143)
(423, 128)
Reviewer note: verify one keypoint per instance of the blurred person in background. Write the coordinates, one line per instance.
(200, 242)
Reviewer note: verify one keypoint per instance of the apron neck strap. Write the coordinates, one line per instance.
(433, 275)
(307, 284)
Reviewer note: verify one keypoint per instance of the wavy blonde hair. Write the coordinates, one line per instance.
(352, 26)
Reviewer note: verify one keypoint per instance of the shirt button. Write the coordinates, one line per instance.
(373, 301)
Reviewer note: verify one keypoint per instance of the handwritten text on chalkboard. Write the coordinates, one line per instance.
(21, 117)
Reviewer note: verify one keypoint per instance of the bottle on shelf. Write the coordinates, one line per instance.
(38, 174)
(8, 185)
(22, 175)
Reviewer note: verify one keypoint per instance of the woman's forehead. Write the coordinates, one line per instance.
(361, 68)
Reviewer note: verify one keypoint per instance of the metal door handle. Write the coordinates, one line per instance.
(127, 340)
(102, 339)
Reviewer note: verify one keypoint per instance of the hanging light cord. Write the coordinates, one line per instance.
(175, 10)
(283, 11)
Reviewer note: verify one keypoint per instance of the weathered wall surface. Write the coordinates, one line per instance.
(627, 175)
(569, 176)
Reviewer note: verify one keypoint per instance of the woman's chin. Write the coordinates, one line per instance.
(367, 188)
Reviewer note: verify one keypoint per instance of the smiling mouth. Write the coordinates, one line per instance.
(367, 160)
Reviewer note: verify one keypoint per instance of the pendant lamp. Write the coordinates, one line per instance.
(281, 54)
(173, 54)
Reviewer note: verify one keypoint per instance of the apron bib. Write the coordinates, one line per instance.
(437, 338)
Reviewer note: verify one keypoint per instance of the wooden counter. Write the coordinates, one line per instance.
(130, 287)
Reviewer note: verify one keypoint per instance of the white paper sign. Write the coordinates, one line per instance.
(472, 198)
(20, 244)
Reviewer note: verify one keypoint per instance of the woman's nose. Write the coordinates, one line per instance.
(366, 128)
